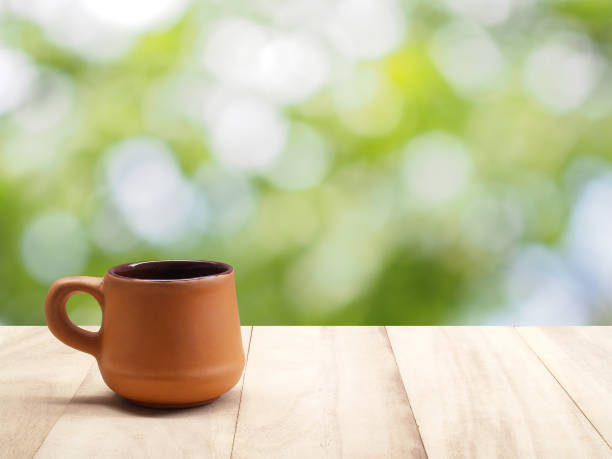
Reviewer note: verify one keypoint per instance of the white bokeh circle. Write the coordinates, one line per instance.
(285, 67)
(437, 167)
(54, 245)
(542, 290)
(588, 236)
(367, 102)
(366, 29)
(248, 134)
(304, 163)
(17, 75)
(468, 57)
(136, 15)
(149, 189)
(561, 73)
(230, 197)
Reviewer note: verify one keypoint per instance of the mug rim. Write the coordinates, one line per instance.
(210, 270)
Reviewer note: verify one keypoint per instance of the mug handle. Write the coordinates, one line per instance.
(57, 319)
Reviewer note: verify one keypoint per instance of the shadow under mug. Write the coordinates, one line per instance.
(170, 333)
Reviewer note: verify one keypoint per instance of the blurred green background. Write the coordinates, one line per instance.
(356, 161)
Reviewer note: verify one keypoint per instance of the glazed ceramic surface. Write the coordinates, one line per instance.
(170, 333)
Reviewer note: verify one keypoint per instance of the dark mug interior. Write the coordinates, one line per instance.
(169, 270)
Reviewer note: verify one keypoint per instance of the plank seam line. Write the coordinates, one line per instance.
(91, 365)
(562, 386)
(405, 391)
(242, 390)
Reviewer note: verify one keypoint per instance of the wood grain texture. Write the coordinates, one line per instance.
(38, 377)
(99, 423)
(580, 358)
(481, 392)
(331, 392)
(324, 392)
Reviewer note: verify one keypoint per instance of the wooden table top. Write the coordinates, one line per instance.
(331, 392)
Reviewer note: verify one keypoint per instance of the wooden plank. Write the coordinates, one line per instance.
(99, 423)
(38, 377)
(481, 392)
(324, 392)
(580, 358)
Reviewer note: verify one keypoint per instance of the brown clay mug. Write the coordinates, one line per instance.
(170, 332)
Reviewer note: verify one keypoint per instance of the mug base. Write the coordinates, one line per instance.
(170, 406)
